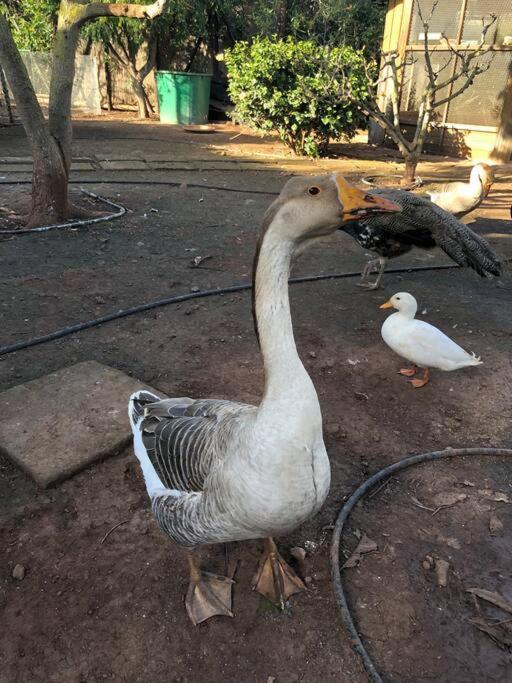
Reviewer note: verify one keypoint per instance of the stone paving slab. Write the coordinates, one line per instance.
(129, 165)
(15, 168)
(57, 425)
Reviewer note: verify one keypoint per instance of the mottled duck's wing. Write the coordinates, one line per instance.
(183, 438)
(463, 245)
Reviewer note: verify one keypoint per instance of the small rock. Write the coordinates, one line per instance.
(18, 572)
(495, 525)
(308, 579)
(194, 289)
(442, 567)
(428, 562)
(312, 354)
(298, 553)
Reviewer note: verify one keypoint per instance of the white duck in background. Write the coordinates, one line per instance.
(419, 342)
(461, 198)
(219, 471)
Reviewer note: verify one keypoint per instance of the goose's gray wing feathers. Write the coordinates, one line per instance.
(463, 245)
(184, 438)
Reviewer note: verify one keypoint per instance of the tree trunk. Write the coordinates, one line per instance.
(51, 144)
(411, 162)
(108, 85)
(502, 151)
(7, 97)
(49, 186)
(49, 176)
(140, 94)
(63, 74)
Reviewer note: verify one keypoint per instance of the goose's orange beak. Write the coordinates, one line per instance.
(388, 304)
(357, 204)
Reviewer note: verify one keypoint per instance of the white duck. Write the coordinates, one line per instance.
(219, 471)
(461, 198)
(419, 342)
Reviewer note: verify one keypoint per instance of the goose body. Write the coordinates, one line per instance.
(219, 471)
(461, 198)
(420, 342)
(420, 224)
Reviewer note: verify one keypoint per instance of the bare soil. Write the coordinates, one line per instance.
(90, 609)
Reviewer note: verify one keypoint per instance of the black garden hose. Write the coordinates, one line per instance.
(339, 592)
(121, 210)
(125, 312)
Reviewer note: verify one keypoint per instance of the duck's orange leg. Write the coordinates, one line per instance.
(408, 372)
(417, 383)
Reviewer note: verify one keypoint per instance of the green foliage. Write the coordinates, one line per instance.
(358, 23)
(32, 23)
(296, 89)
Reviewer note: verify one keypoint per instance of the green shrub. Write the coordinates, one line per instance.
(295, 88)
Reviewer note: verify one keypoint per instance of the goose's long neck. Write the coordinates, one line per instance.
(284, 372)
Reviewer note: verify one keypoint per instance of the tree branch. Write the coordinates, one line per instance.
(469, 81)
(116, 54)
(150, 61)
(128, 10)
(26, 101)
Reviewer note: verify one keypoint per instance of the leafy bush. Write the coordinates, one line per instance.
(296, 89)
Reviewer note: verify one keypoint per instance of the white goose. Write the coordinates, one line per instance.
(420, 342)
(219, 471)
(461, 198)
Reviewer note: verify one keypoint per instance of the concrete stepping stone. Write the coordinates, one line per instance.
(57, 425)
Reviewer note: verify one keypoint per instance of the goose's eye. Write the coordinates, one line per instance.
(314, 190)
(398, 298)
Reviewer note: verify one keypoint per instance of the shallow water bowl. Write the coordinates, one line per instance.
(203, 128)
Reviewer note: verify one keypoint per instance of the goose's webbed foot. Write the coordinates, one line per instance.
(408, 372)
(275, 579)
(208, 594)
(420, 382)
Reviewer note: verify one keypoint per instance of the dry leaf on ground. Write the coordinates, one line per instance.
(492, 597)
(365, 546)
(495, 525)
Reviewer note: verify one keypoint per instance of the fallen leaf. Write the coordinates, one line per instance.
(498, 496)
(197, 260)
(494, 631)
(495, 525)
(365, 546)
(448, 498)
(492, 597)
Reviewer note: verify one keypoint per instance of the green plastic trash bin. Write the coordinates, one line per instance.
(183, 97)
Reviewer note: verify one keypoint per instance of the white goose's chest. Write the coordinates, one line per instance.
(287, 476)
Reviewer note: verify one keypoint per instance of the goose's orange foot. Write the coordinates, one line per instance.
(208, 594)
(408, 372)
(275, 579)
(418, 383)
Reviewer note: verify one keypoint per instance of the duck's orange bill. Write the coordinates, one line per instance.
(388, 304)
(357, 204)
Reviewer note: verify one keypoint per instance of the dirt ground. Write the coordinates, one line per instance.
(89, 610)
